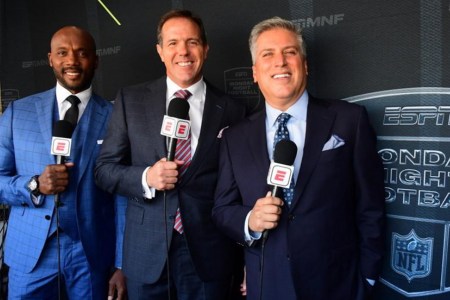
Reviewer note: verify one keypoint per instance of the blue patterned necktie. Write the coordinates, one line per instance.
(282, 133)
(182, 152)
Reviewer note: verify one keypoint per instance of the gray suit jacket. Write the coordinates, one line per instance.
(134, 142)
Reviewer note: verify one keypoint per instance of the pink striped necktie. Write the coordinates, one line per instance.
(182, 152)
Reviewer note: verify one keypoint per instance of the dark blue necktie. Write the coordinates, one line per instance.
(282, 133)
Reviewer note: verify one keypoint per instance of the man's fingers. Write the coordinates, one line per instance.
(69, 164)
(111, 290)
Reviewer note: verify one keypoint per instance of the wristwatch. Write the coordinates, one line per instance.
(33, 187)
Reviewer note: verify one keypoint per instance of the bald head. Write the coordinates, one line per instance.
(72, 57)
(74, 31)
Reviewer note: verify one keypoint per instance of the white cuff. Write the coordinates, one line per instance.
(250, 236)
(149, 192)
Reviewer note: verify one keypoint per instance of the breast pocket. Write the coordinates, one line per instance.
(334, 155)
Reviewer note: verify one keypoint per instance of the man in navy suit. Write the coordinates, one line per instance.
(171, 244)
(30, 178)
(324, 241)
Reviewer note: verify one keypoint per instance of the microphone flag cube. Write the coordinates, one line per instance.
(61, 146)
(280, 175)
(175, 128)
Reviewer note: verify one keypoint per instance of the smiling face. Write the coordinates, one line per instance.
(182, 51)
(279, 69)
(72, 58)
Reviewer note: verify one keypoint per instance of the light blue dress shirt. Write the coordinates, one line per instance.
(297, 130)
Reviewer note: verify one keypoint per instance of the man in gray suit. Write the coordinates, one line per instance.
(163, 253)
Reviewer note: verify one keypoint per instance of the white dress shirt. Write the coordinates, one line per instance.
(196, 107)
(63, 105)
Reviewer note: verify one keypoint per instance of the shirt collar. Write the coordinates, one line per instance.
(62, 93)
(195, 89)
(298, 110)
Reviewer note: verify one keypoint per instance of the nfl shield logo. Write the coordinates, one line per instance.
(411, 256)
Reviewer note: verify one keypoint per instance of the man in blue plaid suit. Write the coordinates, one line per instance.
(30, 178)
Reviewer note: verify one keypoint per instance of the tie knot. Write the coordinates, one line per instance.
(183, 94)
(283, 118)
(74, 101)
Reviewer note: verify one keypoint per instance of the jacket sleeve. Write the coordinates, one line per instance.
(114, 171)
(370, 198)
(13, 184)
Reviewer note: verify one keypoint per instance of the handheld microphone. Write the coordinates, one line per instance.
(176, 124)
(61, 144)
(61, 140)
(281, 168)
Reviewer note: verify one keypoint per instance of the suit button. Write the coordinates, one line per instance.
(291, 217)
(47, 217)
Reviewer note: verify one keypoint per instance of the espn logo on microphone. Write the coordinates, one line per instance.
(61, 146)
(175, 128)
(280, 175)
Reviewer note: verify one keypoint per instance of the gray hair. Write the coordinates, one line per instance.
(274, 23)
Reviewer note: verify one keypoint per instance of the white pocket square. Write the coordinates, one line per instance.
(99, 142)
(219, 136)
(333, 143)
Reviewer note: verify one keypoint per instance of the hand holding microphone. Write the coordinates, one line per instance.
(265, 213)
(163, 175)
(267, 210)
(176, 124)
(55, 178)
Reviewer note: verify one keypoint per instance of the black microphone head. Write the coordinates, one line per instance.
(285, 152)
(178, 108)
(63, 129)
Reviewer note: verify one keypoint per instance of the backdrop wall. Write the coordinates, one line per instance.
(390, 56)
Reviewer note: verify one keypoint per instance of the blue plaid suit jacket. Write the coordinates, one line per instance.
(25, 139)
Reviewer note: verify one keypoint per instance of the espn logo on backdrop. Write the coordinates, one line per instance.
(413, 143)
(175, 128)
(280, 175)
(61, 146)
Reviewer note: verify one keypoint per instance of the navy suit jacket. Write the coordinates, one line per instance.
(134, 142)
(331, 237)
(25, 141)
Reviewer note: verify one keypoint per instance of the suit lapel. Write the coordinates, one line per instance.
(211, 122)
(91, 125)
(257, 141)
(45, 106)
(155, 105)
(318, 127)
